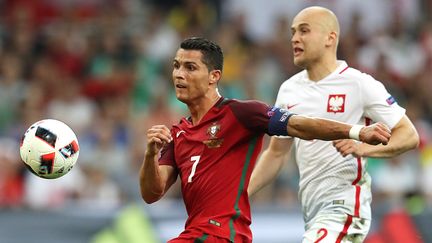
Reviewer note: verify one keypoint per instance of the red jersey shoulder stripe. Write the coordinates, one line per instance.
(343, 70)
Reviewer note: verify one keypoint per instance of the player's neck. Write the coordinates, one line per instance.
(322, 69)
(200, 108)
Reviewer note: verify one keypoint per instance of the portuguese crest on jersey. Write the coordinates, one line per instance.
(336, 103)
(212, 132)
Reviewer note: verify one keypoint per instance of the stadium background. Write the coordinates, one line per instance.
(104, 66)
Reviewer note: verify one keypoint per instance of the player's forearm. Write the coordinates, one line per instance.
(265, 171)
(151, 185)
(398, 144)
(404, 137)
(317, 128)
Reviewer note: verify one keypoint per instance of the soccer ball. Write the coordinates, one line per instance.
(49, 148)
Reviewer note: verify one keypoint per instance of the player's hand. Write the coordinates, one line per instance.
(157, 137)
(375, 134)
(348, 146)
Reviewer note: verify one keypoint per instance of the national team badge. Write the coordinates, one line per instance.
(213, 141)
(213, 130)
(336, 103)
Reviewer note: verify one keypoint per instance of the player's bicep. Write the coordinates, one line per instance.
(406, 130)
(279, 146)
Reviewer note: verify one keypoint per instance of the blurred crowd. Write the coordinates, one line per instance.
(104, 68)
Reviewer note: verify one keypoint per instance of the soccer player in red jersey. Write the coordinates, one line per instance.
(214, 150)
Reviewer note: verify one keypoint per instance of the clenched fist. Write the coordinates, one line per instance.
(157, 137)
(374, 134)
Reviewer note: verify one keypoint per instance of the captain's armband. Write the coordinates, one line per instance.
(278, 121)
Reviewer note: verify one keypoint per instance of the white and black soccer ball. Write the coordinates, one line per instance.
(49, 148)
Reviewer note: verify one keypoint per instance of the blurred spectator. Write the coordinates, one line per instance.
(99, 190)
(108, 150)
(43, 194)
(402, 54)
(11, 175)
(67, 104)
(193, 17)
(426, 173)
(405, 168)
(421, 88)
(12, 90)
(159, 37)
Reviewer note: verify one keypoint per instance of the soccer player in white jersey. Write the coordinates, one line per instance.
(334, 187)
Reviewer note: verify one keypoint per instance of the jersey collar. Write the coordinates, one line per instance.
(342, 66)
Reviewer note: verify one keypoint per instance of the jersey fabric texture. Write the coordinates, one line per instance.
(330, 183)
(214, 160)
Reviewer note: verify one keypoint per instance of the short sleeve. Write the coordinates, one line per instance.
(280, 97)
(259, 117)
(379, 104)
(167, 155)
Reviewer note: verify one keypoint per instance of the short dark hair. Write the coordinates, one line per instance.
(212, 53)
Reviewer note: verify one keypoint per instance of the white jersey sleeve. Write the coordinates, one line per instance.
(379, 105)
(281, 99)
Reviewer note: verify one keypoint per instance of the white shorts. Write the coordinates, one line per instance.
(337, 228)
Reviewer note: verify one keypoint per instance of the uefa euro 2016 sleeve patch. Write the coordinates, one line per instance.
(391, 100)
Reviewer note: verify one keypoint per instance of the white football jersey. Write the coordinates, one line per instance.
(330, 183)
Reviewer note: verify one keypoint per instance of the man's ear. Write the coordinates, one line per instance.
(215, 76)
(332, 38)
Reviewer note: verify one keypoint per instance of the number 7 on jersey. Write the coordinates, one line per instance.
(195, 160)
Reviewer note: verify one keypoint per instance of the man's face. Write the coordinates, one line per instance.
(190, 75)
(308, 39)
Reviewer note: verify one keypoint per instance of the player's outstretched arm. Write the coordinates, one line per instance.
(269, 164)
(404, 137)
(317, 128)
(155, 180)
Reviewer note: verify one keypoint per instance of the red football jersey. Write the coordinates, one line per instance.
(215, 159)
